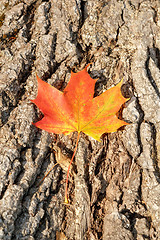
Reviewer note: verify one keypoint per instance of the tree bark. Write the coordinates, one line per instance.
(114, 186)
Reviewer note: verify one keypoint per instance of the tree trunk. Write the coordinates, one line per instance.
(114, 187)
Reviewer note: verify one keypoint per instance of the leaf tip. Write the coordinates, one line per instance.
(32, 100)
(34, 124)
(88, 65)
(120, 83)
(38, 78)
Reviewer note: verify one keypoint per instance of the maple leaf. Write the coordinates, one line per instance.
(75, 109)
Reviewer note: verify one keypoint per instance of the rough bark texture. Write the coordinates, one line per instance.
(114, 191)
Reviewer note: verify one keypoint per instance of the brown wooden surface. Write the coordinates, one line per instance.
(114, 188)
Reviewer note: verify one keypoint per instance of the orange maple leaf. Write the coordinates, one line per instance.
(75, 109)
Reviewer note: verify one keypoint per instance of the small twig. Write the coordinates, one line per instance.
(47, 174)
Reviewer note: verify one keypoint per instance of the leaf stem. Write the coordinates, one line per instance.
(66, 198)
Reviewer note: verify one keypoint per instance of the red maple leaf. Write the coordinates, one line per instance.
(75, 109)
